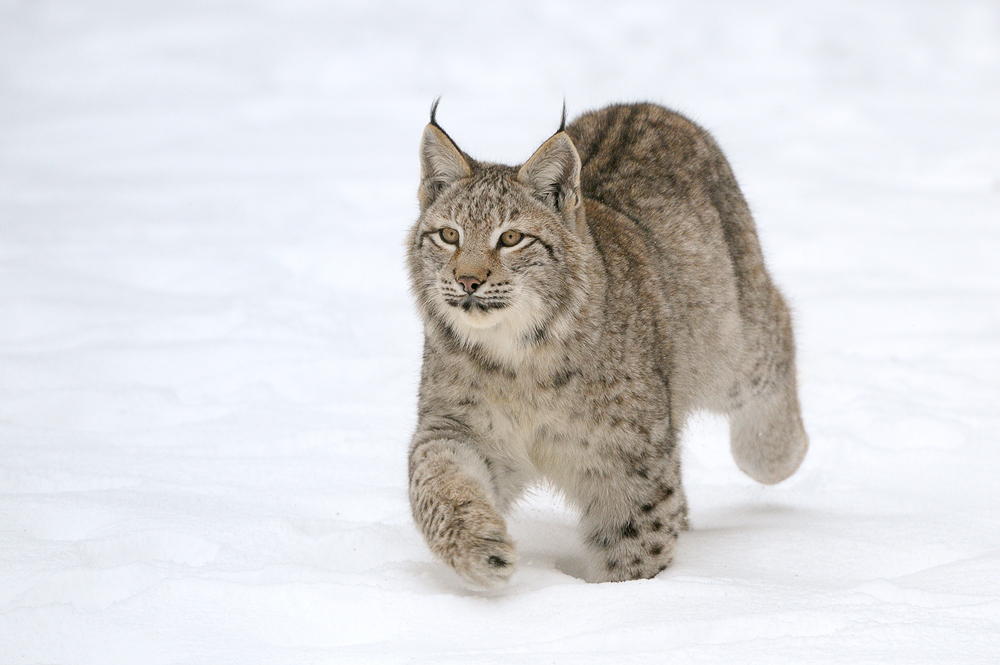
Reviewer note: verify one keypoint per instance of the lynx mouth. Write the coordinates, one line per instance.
(470, 303)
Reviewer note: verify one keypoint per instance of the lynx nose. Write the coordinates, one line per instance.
(469, 282)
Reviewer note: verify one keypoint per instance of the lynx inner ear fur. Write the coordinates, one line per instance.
(554, 173)
(441, 164)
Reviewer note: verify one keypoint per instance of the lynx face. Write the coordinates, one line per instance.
(491, 256)
(487, 257)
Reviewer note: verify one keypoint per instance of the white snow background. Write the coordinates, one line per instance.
(209, 357)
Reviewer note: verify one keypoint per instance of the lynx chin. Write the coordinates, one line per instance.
(576, 310)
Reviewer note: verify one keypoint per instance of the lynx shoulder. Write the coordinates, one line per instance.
(576, 310)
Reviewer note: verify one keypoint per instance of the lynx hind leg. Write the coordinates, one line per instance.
(454, 509)
(766, 435)
(632, 524)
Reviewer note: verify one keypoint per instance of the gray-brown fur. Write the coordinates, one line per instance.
(636, 295)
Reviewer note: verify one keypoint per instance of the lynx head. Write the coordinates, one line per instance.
(498, 253)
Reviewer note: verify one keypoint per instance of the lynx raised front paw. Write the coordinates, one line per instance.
(453, 508)
(484, 559)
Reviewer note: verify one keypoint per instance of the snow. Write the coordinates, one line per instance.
(209, 358)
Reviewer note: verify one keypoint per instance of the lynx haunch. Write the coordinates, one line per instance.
(577, 309)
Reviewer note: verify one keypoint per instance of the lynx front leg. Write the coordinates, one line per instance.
(453, 507)
(631, 521)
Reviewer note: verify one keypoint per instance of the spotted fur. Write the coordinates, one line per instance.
(637, 294)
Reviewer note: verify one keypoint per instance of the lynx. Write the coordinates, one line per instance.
(576, 310)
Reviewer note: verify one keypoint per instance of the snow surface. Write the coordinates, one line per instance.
(209, 358)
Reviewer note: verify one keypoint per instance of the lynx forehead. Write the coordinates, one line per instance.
(576, 309)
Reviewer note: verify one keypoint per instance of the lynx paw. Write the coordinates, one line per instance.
(485, 558)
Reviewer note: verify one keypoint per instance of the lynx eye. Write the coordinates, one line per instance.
(510, 238)
(449, 235)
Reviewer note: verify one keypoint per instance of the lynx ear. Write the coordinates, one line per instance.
(554, 173)
(441, 164)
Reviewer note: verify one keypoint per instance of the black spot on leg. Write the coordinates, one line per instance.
(629, 530)
(656, 550)
(613, 564)
(636, 560)
(663, 493)
(657, 525)
(497, 562)
(600, 541)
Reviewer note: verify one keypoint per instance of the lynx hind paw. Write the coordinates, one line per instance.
(486, 560)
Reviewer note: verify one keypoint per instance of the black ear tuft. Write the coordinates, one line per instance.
(562, 123)
(434, 110)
